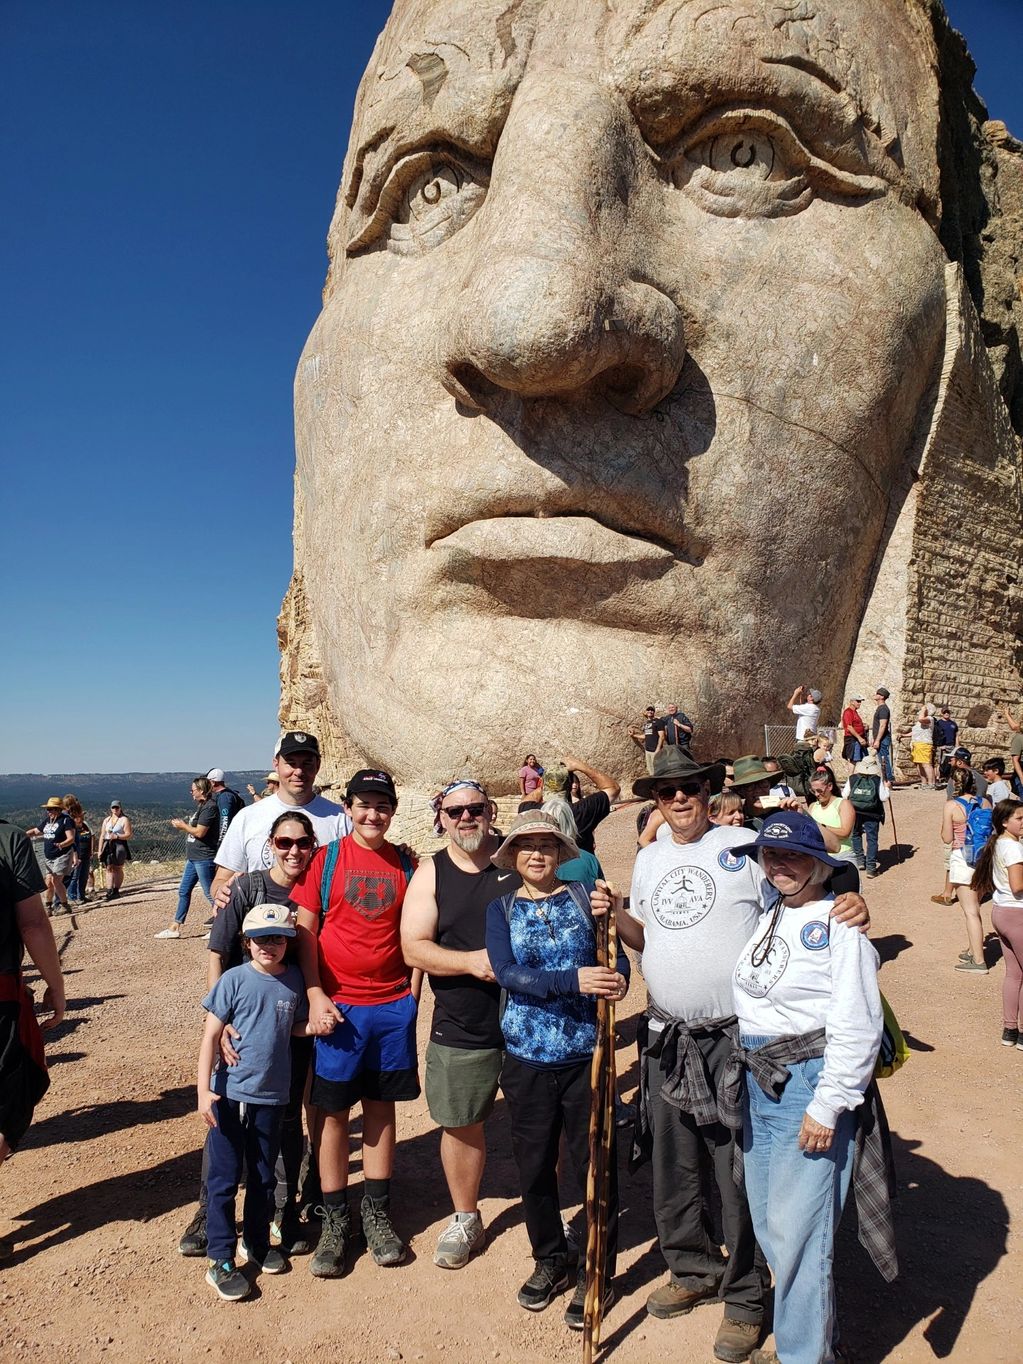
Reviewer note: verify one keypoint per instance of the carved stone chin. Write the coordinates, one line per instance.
(632, 345)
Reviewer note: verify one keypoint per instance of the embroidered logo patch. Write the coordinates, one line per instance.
(729, 862)
(814, 935)
(777, 831)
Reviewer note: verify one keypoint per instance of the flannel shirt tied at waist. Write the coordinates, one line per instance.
(873, 1176)
(687, 1085)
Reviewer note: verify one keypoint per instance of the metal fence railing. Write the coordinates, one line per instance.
(782, 738)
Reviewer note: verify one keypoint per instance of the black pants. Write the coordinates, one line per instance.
(289, 1161)
(543, 1103)
(684, 1158)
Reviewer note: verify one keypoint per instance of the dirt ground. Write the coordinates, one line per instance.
(106, 1180)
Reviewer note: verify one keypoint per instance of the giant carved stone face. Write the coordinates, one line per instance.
(634, 311)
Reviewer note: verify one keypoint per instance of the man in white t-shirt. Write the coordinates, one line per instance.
(805, 705)
(246, 845)
(693, 908)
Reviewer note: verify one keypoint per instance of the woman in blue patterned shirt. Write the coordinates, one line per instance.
(542, 945)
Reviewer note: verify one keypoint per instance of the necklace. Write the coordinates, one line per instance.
(541, 909)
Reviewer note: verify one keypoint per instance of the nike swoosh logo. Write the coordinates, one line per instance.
(505, 877)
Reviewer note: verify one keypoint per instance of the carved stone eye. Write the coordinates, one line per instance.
(746, 153)
(429, 190)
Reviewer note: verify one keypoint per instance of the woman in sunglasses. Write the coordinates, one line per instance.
(542, 946)
(293, 842)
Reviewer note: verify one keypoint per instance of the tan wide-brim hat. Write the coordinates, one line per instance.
(530, 823)
(676, 764)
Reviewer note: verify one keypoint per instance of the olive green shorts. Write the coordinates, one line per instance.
(461, 1085)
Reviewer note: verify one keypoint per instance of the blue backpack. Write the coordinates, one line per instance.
(979, 828)
(330, 863)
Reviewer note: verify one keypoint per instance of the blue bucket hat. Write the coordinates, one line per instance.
(791, 831)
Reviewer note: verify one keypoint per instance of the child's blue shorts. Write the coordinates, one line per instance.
(370, 1055)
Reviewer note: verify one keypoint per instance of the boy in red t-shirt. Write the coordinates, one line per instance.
(355, 974)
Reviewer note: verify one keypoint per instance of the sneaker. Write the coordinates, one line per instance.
(943, 899)
(966, 956)
(168, 933)
(861, 864)
(335, 1235)
(1010, 1037)
(385, 1245)
(230, 1282)
(462, 1235)
(294, 1235)
(208, 923)
(576, 1310)
(193, 1242)
(58, 910)
(672, 1300)
(970, 965)
(271, 1261)
(736, 1340)
(549, 1278)
(873, 871)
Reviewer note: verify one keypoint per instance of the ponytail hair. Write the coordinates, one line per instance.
(983, 873)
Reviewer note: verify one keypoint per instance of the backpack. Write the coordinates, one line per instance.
(893, 1052)
(798, 767)
(979, 828)
(865, 796)
(330, 862)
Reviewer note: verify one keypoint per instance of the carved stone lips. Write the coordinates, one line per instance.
(566, 539)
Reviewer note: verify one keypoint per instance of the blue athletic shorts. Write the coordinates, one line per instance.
(370, 1055)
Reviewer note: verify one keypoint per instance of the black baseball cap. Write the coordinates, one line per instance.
(296, 741)
(371, 781)
(963, 753)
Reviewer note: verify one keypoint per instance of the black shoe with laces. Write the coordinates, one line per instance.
(575, 1310)
(549, 1277)
(1010, 1037)
(193, 1242)
(385, 1245)
(335, 1238)
(295, 1235)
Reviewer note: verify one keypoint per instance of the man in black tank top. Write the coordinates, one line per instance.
(443, 930)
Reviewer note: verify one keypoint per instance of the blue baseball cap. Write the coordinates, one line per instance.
(791, 831)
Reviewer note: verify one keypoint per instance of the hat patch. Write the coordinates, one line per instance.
(777, 831)
(814, 935)
(299, 737)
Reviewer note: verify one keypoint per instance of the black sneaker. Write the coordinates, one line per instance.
(385, 1245)
(335, 1235)
(294, 1236)
(269, 1261)
(1010, 1037)
(193, 1242)
(228, 1280)
(548, 1279)
(575, 1310)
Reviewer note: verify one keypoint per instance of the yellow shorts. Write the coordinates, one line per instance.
(923, 753)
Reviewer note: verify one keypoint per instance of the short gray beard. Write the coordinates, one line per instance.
(470, 843)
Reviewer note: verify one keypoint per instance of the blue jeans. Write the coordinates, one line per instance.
(195, 872)
(796, 1202)
(252, 1140)
(870, 828)
(77, 881)
(884, 757)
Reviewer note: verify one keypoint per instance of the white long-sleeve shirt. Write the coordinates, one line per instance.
(817, 974)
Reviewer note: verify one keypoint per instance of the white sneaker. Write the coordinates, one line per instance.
(462, 1235)
(168, 933)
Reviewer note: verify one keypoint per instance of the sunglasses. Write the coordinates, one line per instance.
(456, 812)
(270, 940)
(688, 788)
(284, 844)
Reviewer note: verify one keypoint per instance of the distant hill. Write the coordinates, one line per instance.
(21, 790)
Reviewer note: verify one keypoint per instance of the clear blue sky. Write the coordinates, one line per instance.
(170, 172)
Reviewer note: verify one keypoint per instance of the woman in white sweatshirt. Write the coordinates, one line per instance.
(806, 998)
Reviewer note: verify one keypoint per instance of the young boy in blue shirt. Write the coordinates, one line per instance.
(265, 1000)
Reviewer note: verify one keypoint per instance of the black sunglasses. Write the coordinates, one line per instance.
(692, 787)
(285, 844)
(270, 939)
(456, 812)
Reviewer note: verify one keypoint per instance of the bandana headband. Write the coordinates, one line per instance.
(437, 801)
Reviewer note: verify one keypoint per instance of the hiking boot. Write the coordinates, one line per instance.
(764, 1357)
(672, 1300)
(576, 1310)
(269, 1261)
(193, 1242)
(1010, 1037)
(384, 1243)
(292, 1233)
(335, 1235)
(970, 965)
(230, 1282)
(549, 1278)
(462, 1235)
(736, 1340)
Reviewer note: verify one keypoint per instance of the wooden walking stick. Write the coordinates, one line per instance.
(895, 832)
(602, 1128)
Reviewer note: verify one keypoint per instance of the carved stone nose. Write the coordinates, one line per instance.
(549, 307)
